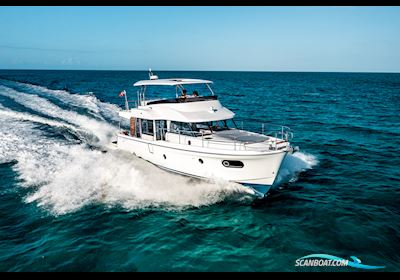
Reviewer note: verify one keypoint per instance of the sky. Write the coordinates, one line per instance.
(332, 39)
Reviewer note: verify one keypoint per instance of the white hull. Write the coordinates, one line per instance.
(260, 168)
(192, 135)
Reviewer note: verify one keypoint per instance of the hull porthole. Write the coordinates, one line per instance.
(232, 163)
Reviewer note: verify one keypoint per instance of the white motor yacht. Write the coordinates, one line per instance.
(195, 135)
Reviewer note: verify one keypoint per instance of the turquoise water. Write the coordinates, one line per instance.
(66, 206)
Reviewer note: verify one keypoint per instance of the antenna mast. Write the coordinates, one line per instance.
(152, 76)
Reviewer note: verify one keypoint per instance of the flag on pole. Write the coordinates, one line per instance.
(123, 93)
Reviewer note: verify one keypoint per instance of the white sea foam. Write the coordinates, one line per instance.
(102, 130)
(88, 101)
(64, 178)
(116, 178)
(293, 164)
(36, 119)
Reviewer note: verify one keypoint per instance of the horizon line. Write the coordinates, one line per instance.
(250, 71)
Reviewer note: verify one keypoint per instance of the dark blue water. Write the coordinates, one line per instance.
(66, 206)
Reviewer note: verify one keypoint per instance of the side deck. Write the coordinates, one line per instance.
(233, 140)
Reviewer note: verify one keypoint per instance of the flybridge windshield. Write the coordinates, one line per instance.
(189, 90)
(182, 89)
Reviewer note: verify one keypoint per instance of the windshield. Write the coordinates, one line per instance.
(190, 90)
(214, 125)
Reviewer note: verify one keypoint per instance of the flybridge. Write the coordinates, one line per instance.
(180, 92)
(185, 107)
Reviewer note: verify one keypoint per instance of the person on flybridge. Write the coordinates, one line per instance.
(184, 94)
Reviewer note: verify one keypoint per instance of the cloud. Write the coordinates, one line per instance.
(70, 61)
(42, 49)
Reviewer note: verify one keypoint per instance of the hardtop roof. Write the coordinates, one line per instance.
(171, 82)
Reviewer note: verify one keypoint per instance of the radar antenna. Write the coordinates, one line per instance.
(152, 76)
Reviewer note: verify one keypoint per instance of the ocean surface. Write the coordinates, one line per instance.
(67, 206)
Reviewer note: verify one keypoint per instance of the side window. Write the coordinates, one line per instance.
(147, 127)
(180, 127)
(161, 126)
(150, 127)
(175, 127)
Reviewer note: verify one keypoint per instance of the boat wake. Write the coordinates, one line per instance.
(293, 165)
(50, 135)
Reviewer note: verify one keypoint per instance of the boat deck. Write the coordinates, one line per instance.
(232, 139)
(240, 136)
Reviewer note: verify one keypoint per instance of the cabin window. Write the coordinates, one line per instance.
(181, 127)
(147, 127)
(161, 128)
(214, 125)
(219, 125)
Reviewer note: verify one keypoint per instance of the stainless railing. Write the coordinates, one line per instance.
(279, 137)
(278, 131)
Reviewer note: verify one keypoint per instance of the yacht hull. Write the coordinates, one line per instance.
(258, 172)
